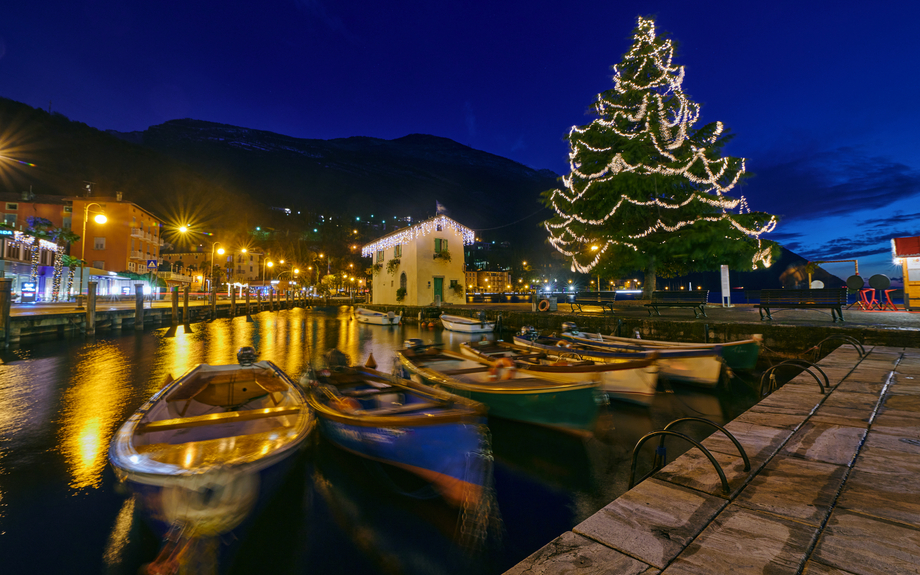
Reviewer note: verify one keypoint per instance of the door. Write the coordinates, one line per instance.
(438, 289)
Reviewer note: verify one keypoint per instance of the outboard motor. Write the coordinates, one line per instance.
(391, 314)
(246, 356)
(569, 326)
(482, 316)
(529, 332)
(637, 334)
(413, 343)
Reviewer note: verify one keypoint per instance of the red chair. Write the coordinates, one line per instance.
(887, 303)
(867, 303)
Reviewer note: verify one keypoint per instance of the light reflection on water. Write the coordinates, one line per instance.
(61, 402)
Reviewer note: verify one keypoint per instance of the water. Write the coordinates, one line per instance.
(62, 400)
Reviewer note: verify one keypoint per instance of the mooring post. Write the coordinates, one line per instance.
(138, 306)
(271, 300)
(248, 309)
(6, 302)
(213, 301)
(185, 313)
(175, 305)
(232, 302)
(91, 308)
(260, 300)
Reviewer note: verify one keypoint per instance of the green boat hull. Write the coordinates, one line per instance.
(743, 356)
(574, 410)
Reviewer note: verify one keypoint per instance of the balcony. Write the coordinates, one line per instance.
(137, 233)
(174, 277)
(137, 255)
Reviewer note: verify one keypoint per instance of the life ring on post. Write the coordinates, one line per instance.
(544, 305)
(502, 370)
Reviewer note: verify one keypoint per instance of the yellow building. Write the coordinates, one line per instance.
(422, 263)
(129, 240)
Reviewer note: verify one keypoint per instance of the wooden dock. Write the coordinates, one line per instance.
(834, 487)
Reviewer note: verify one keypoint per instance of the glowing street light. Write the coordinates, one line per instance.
(99, 219)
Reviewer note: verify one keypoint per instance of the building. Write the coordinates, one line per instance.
(128, 240)
(421, 264)
(16, 263)
(17, 208)
(242, 266)
(488, 281)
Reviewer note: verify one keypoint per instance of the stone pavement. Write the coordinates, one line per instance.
(833, 487)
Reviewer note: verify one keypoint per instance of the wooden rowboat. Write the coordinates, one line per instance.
(431, 433)
(466, 324)
(363, 315)
(522, 396)
(634, 379)
(211, 446)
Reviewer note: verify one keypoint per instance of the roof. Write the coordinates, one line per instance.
(406, 235)
(17, 197)
(905, 247)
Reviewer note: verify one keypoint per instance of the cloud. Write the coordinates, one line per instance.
(815, 185)
(470, 119)
(317, 9)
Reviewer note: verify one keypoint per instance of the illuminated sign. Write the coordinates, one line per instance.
(29, 290)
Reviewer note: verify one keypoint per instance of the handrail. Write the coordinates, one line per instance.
(632, 468)
(747, 462)
(794, 362)
(846, 339)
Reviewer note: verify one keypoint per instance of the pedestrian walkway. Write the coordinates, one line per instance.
(833, 487)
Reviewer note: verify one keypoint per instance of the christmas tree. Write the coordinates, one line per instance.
(647, 189)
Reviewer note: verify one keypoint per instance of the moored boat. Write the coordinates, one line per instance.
(363, 315)
(633, 379)
(739, 354)
(467, 324)
(529, 397)
(208, 448)
(702, 367)
(432, 433)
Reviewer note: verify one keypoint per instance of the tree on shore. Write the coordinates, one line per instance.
(648, 190)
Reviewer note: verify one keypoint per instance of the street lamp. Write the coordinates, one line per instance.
(99, 219)
(220, 251)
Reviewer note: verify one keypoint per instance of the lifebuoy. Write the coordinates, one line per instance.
(502, 370)
(544, 305)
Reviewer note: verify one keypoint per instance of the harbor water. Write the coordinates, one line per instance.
(61, 510)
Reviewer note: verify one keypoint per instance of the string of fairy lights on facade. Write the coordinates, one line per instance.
(407, 235)
(663, 118)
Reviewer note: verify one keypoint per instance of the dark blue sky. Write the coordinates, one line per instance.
(822, 96)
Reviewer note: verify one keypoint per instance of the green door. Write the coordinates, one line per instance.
(438, 289)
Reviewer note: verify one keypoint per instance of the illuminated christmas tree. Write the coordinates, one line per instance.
(647, 189)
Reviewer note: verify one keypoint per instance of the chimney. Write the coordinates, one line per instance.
(118, 196)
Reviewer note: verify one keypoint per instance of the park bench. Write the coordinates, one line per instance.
(605, 303)
(833, 299)
(695, 300)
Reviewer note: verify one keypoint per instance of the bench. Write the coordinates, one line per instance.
(215, 418)
(833, 299)
(605, 303)
(695, 300)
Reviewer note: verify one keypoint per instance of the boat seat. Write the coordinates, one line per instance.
(229, 388)
(215, 418)
(406, 408)
(476, 369)
(373, 391)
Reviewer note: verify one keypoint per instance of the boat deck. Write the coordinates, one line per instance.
(832, 487)
(236, 449)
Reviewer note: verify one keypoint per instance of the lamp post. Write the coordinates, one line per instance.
(99, 219)
(220, 251)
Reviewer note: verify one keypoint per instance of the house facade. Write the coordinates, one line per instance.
(129, 240)
(420, 265)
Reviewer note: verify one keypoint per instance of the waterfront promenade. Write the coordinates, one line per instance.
(833, 487)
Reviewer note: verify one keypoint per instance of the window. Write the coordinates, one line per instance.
(440, 245)
(9, 219)
(402, 281)
(99, 264)
(397, 251)
(98, 243)
(12, 206)
(453, 283)
(130, 266)
(439, 227)
(379, 256)
(68, 209)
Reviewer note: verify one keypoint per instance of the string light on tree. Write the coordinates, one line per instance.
(647, 188)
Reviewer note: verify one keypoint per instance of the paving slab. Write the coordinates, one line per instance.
(745, 542)
(694, 470)
(901, 403)
(825, 442)
(861, 386)
(900, 423)
(905, 385)
(895, 497)
(815, 568)
(866, 546)
(852, 400)
(884, 453)
(795, 488)
(851, 416)
(653, 521)
(770, 417)
(759, 442)
(570, 553)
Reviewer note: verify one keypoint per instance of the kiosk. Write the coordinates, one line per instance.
(906, 253)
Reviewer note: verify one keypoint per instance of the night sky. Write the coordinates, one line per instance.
(823, 97)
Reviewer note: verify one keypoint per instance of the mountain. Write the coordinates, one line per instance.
(358, 175)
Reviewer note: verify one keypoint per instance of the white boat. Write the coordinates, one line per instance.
(467, 324)
(633, 379)
(209, 448)
(363, 315)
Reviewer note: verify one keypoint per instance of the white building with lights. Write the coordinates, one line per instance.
(420, 265)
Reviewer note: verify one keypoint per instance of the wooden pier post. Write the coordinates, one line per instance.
(185, 312)
(271, 300)
(260, 301)
(6, 302)
(248, 308)
(232, 302)
(213, 301)
(175, 305)
(138, 306)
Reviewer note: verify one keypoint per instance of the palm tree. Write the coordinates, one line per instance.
(38, 228)
(62, 238)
